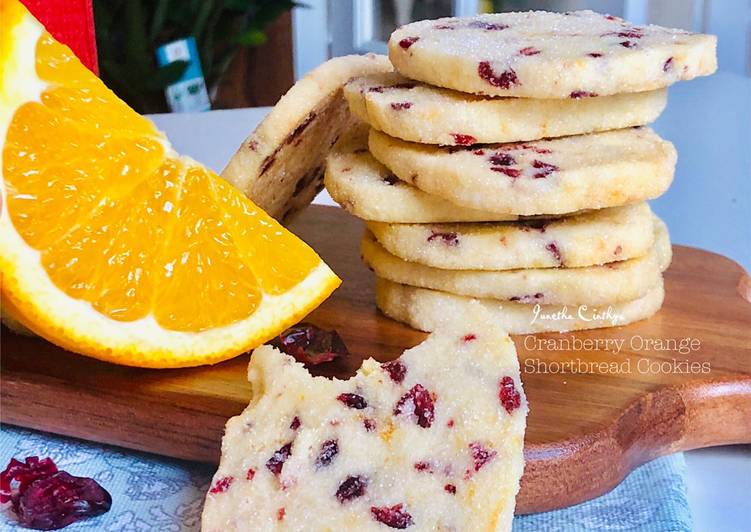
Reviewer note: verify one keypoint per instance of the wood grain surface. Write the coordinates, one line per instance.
(588, 426)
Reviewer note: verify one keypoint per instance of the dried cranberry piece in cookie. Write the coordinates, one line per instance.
(504, 80)
(329, 450)
(310, 344)
(418, 402)
(481, 455)
(392, 516)
(352, 488)
(276, 462)
(352, 400)
(396, 370)
(450, 239)
(408, 41)
(222, 485)
(461, 139)
(508, 394)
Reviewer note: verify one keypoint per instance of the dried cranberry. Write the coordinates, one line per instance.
(329, 450)
(481, 455)
(578, 95)
(444, 27)
(502, 159)
(488, 26)
(450, 239)
(392, 516)
(633, 33)
(508, 394)
(469, 337)
(463, 140)
(529, 50)
(594, 54)
(352, 400)
(310, 344)
(408, 41)
(545, 169)
(369, 424)
(280, 513)
(276, 462)
(400, 106)
(250, 474)
(419, 402)
(618, 250)
(553, 248)
(352, 488)
(222, 485)
(479, 152)
(48, 499)
(396, 370)
(667, 65)
(529, 298)
(504, 80)
(295, 423)
(628, 44)
(424, 466)
(450, 488)
(511, 172)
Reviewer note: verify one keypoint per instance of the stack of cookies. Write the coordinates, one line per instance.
(507, 161)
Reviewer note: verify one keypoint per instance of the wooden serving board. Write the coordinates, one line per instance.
(585, 432)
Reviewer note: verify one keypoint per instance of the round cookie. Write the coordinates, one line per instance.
(610, 283)
(537, 54)
(280, 165)
(430, 310)
(368, 190)
(554, 176)
(417, 112)
(592, 238)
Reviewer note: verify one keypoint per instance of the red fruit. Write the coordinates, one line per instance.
(578, 95)
(444, 27)
(276, 462)
(424, 466)
(508, 394)
(529, 50)
(329, 450)
(251, 473)
(553, 248)
(450, 239)
(628, 44)
(594, 54)
(400, 106)
(396, 370)
(450, 488)
(48, 499)
(488, 26)
(504, 80)
(280, 513)
(419, 402)
(668, 65)
(352, 400)
(469, 337)
(310, 344)
(408, 41)
(295, 423)
(502, 159)
(545, 169)
(392, 516)
(463, 140)
(222, 485)
(352, 488)
(481, 455)
(511, 172)
(369, 424)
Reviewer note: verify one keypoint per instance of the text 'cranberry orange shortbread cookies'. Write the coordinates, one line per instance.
(369, 190)
(431, 310)
(417, 112)
(280, 165)
(548, 177)
(595, 237)
(430, 441)
(607, 283)
(549, 55)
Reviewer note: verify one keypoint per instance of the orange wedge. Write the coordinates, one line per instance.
(114, 246)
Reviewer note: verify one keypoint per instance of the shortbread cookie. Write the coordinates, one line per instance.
(540, 177)
(417, 112)
(597, 237)
(610, 283)
(431, 310)
(431, 441)
(549, 55)
(280, 165)
(368, 190)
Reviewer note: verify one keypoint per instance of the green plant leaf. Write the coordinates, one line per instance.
(166, 75)
(252, 37)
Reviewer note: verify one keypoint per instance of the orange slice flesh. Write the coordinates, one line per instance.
(114, 246)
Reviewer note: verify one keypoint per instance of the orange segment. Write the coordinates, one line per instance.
(116, 247)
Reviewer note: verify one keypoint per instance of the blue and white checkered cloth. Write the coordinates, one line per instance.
(151, 493)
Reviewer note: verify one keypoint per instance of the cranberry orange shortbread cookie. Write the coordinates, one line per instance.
(280, 165)
(554, 176)
(430, 441)
(596, 237)
(369, 190)
(549, 55)
(430, 310)
(417, 112)
(609, 283)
